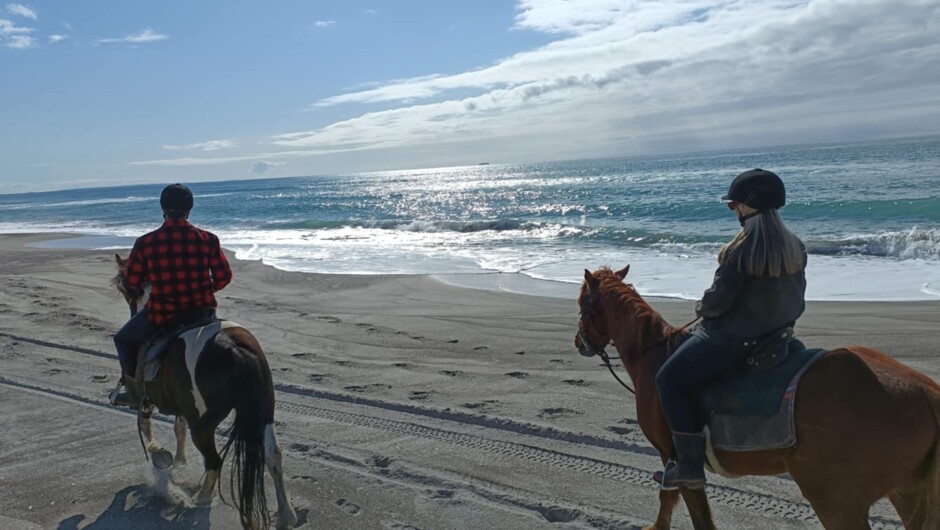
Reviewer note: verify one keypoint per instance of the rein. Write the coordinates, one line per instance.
(602, 353)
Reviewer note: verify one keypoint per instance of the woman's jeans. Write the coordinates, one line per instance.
(706, 354)
(128, 339)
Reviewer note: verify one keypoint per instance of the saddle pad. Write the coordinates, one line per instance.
(751, 411)
(195, 339)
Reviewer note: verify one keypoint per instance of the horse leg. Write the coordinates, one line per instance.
(179, 428)
(837, 505)
(204, 438)
(273, 458)
(697, 502)
(667, 503)
(912, 509)
(161, 458)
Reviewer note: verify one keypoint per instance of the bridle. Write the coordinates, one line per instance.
(588, 350)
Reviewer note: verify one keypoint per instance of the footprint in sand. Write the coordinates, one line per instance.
(419, 395)
(100, 378)
(619, 430)
(348, 507)
(316, 378)
(397, 525)
(559, 361)
(402, 365)
(577, 382)
(299, 447)
(453, 341)
(331, 320)
(518, 375)
(480, 348)
(366, 388)
(54, 371)
(452, 373)
(442, 494)
(483, 405)
(557, 412)
(381, 462)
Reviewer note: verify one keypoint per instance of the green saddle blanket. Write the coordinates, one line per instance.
(751, 411)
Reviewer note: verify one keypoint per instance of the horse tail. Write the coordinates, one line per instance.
(253, 401)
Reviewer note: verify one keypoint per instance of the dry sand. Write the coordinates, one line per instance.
(403, 402)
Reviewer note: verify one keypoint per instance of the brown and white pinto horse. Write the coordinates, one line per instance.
(867, 426)
(231, 373)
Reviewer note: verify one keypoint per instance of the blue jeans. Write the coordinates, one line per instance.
(706, 354)
(128, 339)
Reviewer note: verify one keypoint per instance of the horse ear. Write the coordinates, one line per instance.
(622, 273)
(590, 280)
(118, 260)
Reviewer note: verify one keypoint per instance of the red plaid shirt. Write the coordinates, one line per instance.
(184, 265)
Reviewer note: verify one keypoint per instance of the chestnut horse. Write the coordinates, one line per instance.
(231, 373)
(867, 426)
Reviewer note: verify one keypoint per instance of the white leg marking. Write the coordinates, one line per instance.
(286, 517)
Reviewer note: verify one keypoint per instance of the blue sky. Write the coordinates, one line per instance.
(115, 92)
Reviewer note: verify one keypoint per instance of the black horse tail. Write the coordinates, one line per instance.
(252, 401)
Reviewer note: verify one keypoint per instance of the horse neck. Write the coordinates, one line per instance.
(643, 343)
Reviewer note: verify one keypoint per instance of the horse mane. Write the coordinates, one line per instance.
(648, 323)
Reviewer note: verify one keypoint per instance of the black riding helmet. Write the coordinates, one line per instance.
(176, 198)
(759, 189)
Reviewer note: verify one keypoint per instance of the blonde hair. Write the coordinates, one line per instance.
(765, 246)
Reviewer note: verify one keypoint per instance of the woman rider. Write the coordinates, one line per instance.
(758, 288)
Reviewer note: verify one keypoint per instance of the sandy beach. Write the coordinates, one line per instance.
(403, 402)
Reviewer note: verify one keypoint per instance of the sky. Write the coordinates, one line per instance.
(114, 92)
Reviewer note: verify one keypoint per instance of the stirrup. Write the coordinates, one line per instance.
(122, 397)
(660, 478)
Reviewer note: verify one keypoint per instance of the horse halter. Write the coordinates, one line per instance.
(588, 350)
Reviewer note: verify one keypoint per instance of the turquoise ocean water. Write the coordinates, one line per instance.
(869, 213)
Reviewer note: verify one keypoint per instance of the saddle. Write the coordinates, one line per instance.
(152, 349)
(750, 408)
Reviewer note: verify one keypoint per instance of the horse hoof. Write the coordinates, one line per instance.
(162, 459)
(202, 500)
(286, 522)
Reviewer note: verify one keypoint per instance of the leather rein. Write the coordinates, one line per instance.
(590, 351)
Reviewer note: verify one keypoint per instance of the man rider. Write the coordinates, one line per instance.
(184, 266)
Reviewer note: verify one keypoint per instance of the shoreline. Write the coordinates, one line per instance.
(493, 280)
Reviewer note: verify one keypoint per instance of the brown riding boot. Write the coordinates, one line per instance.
(129, 396)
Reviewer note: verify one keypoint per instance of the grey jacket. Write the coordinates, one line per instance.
(747, 306)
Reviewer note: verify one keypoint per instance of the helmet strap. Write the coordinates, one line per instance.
(744, 218)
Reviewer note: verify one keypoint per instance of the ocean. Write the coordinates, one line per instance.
(869, 214)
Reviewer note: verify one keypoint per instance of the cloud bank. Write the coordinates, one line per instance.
(635, 76)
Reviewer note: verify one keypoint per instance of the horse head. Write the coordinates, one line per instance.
(593, 329)
(133, 297)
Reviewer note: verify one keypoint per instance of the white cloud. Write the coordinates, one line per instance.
(141, 37)
(324, 23)
(57, 38)
(21, 10)
(633, 76)
(16, 37)
(263, 167)
(211, 145)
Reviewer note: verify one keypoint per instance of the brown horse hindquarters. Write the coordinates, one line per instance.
(865, 428)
